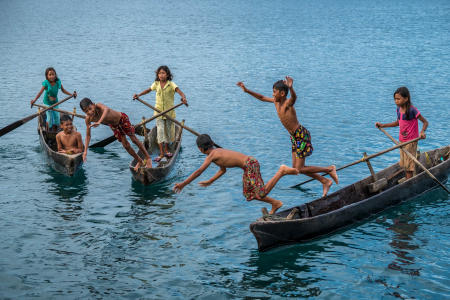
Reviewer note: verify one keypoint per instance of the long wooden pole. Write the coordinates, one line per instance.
(415, 160)
(362, 160)
(19, 123)
(62, 111)
(112, 138)
(173, 120)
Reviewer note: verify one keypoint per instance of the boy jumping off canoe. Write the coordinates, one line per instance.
(120, 125)
(300, 137)
(253, 185)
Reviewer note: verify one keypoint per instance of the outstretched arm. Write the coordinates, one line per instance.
(37, 96)
(289, 82)
(88, 137)
(105, 110)
(179, 186)
(144, 92)
(254, 94)
(219, 173)
(381, 125)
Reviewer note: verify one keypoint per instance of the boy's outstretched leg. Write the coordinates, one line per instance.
(276, 204)
(312, 171)
(141, 147)
(283, 170)
(131, 151)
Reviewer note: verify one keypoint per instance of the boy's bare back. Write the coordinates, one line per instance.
(227, 158)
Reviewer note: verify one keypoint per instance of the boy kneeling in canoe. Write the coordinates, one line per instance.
(68, 140)
(253, 185)
(119, 124)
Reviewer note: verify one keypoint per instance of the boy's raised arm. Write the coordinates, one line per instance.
(254, 94)
(289, 82)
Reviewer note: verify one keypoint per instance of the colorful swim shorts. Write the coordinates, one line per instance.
(252, 183)
(301, 142)
(123, 128)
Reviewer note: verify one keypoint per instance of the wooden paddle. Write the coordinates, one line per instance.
(416, 161)
(112, 138)
(173, 120)
(19, 123)
(62, 111)
(366, 158)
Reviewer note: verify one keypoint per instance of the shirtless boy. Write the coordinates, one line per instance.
(253, 185)
(120, 125)
(68, 140)
(300, 137)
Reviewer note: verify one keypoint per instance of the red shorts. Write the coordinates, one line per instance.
(252, 183)
(123, 128)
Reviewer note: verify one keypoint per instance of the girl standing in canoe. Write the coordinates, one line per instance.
(51, 85)
(165, 91)
(407, 116)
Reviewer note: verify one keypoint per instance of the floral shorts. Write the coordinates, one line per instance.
(301, 142)
(252, 183)
(123, 128)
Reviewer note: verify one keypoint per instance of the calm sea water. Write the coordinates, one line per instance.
(101, 235)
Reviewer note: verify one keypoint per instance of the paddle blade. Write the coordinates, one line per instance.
(16, 124)
(104, 142)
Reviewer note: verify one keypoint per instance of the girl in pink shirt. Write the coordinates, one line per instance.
(407, 116)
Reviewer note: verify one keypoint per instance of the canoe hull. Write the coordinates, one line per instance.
(60, 162)
(351, 204)
(162, 169)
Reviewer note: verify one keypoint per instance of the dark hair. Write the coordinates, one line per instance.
(51, 69)
(204, 142)
(65, 118)
(85, 102)
(404, 92)
(166, 69)
(281, 86)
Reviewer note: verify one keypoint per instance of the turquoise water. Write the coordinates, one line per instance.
(101, 235)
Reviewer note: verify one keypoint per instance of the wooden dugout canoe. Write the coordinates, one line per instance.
(161, 169)
(350, 204)
(60, 162)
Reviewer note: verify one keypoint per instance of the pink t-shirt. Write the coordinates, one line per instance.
(409, 127)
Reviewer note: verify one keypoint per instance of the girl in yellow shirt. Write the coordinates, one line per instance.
(165, 91)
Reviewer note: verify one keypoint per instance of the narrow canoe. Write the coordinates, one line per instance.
(160, 169)
(350, 204)
(60, 162)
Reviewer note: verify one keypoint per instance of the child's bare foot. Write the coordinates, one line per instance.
(138, 165)
(288, 170)
(326, 187)
(333, 174)
(276, 206)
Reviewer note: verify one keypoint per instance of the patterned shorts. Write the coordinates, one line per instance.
(301, 142)
(252, 183)
(123, 128)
